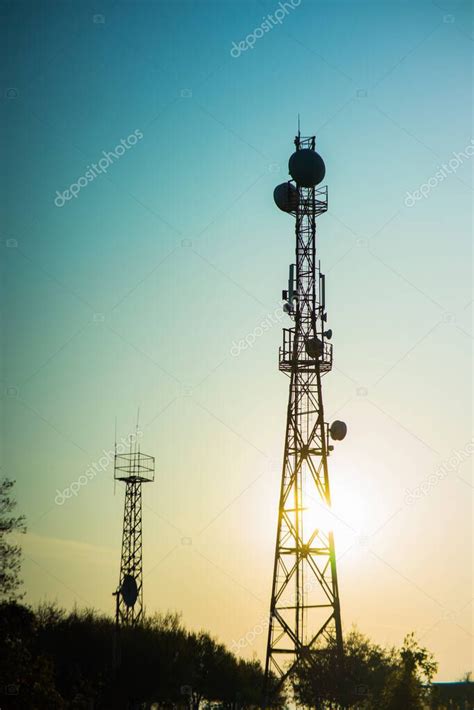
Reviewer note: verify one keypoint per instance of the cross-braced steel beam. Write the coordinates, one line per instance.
(131, 559)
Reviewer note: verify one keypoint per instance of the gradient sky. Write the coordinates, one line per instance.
(134, 294)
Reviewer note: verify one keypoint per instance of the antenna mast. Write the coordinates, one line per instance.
(305, 609)
(133, 468)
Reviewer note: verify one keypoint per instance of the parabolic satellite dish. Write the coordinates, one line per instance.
(338, 430)
(307, 167)
(129, 590)
(314, 347)
(286, 197)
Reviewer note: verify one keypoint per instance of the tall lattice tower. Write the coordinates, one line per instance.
(134, 468)
(304, 611)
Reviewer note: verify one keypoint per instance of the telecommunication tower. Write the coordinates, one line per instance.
(305, 609)
(133, 468)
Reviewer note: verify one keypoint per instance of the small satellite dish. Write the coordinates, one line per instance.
(307, 167)
(314, 347)
(328, 334)
(129, 590)
(286, 197)
(338, 430)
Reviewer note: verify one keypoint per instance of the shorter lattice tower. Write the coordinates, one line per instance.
(133, 468)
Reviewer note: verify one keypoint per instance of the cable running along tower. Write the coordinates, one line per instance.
(304, 610)
(133, 468)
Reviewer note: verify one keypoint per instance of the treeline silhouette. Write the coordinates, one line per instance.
(55, 659)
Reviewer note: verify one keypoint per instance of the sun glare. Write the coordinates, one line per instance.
(349, 516)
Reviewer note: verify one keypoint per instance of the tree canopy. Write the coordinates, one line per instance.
(10, 553)
(76, 658)
(369, 677)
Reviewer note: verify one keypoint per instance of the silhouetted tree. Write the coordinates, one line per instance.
(157, 661)
(27, 678)
(10, 554)
(409, 684)
(370, 677)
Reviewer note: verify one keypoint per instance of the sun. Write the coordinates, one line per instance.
(349, 517)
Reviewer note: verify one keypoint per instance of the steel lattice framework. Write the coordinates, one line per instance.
(134, 468)
(305, 609)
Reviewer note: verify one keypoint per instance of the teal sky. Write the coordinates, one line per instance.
(134, 293)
